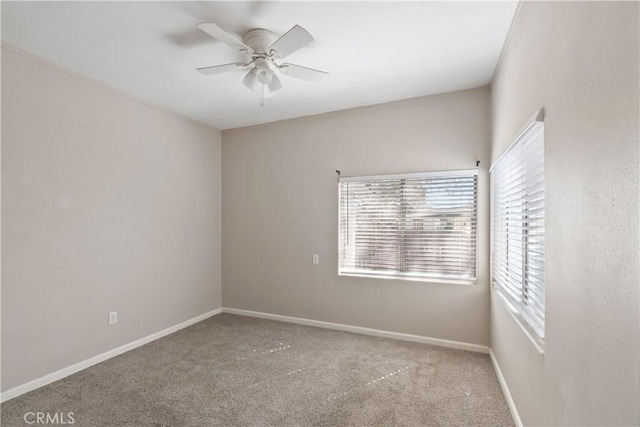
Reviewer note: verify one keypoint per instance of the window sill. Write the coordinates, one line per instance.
(538, 343)
(410, 279)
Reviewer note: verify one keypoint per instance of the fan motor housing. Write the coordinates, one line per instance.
(260, 39)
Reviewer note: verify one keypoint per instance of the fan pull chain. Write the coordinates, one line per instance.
(262, 95)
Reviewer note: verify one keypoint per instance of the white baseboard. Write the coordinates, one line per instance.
(505, 390)
(360, 330)
(65, 372)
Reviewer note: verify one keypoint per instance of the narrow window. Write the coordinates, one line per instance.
(518, 257)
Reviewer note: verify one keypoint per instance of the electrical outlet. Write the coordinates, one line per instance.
(316, 259)
(113, 318)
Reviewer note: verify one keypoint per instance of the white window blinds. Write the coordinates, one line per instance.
(411, 226)
(518, 226)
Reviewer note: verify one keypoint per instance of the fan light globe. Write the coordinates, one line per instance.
(265, 76)
(275, 84)
(251, 80)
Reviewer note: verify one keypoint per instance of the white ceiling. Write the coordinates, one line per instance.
(375, 52)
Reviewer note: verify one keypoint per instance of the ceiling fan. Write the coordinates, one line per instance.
(264, 47)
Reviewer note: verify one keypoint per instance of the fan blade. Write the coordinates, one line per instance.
(304, 73)
(216, 69)
(293, 40)
(218, 33)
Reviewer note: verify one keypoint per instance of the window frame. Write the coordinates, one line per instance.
(398, 275)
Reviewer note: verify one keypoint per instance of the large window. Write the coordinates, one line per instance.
(419, 226)
(518, 226)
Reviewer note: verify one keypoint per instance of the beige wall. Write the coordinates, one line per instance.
(578, 60)
(107, 205)
(280, 206)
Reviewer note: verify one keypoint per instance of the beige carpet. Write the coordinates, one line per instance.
(239, 371)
